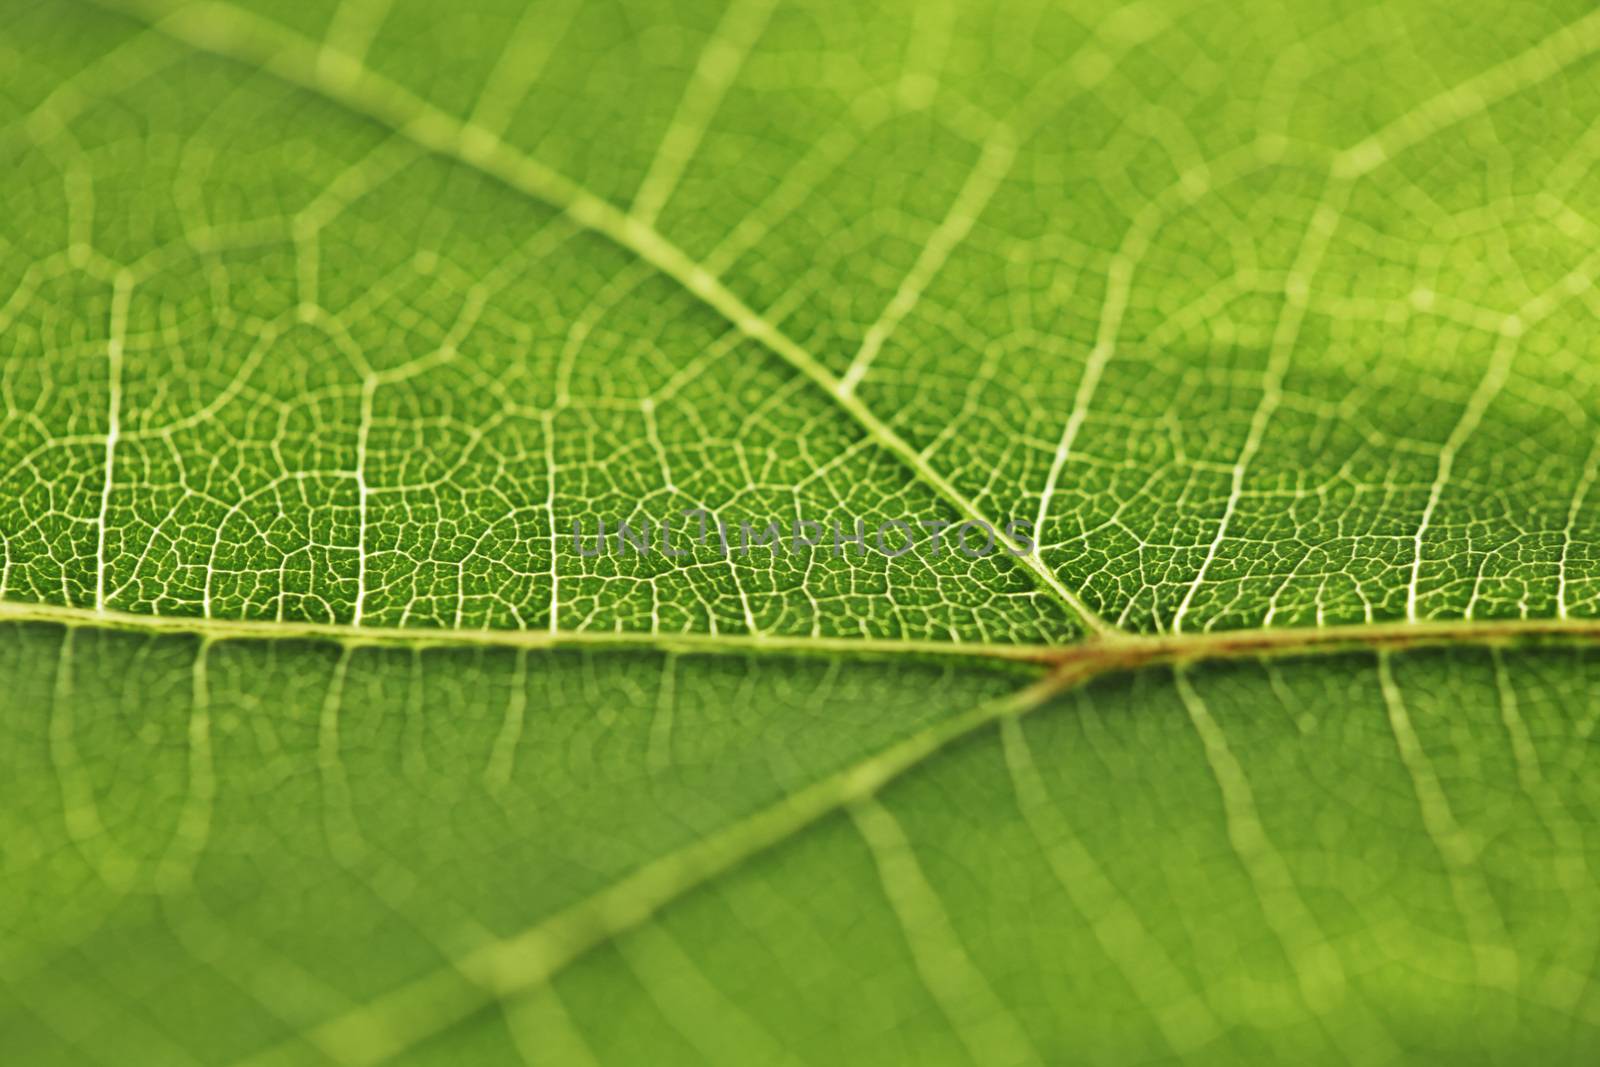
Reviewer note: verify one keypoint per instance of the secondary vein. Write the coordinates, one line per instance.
(224, 31)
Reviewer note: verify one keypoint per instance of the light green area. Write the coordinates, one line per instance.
(322, 317)
(1271, 320)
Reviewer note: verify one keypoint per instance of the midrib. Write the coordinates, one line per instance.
(1090, 655)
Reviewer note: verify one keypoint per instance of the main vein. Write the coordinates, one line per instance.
(1097, 653)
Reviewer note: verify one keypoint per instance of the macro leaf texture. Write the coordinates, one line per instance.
(325, 325)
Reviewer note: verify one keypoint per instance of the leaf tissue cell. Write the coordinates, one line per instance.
(1133, 583)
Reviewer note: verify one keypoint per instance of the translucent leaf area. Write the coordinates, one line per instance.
(1261, 338)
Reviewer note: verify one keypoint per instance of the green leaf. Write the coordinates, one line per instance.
(323, 326)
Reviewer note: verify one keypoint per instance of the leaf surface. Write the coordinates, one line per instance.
(324, 326)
